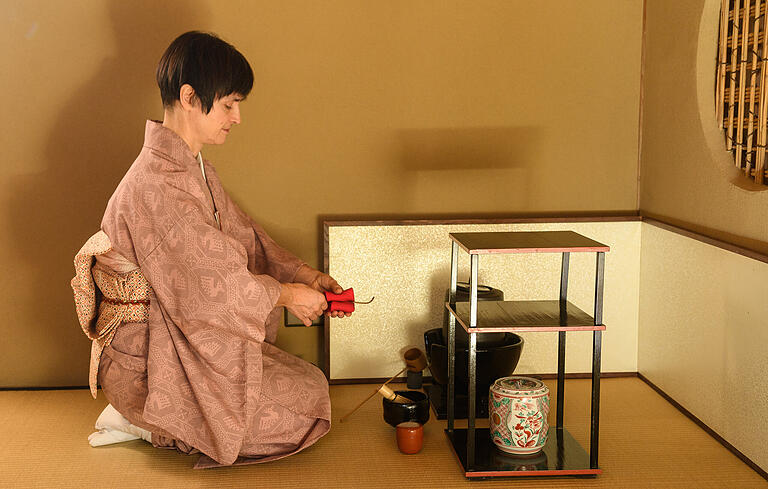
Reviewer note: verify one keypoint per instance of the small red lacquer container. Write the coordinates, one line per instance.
(410, 437)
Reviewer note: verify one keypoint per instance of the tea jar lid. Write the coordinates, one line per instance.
(517, 385)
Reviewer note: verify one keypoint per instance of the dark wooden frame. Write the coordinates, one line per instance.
(326, 360)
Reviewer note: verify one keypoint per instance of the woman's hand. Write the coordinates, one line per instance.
(302, 301)
(324, 282)
(321, 282)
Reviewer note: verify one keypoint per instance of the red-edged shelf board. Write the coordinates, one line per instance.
(526, 242)
(562, 455)
(524, 316)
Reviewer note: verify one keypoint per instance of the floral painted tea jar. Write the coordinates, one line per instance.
(518, 409)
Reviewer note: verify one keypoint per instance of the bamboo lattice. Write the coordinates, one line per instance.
(741, 93)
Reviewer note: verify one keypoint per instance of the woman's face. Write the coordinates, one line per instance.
(213, 127)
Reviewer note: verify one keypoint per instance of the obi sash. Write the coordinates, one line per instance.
(104, 299)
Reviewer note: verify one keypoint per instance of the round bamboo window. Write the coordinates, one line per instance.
(742, 76)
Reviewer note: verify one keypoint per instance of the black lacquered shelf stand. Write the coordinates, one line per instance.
(562, 455)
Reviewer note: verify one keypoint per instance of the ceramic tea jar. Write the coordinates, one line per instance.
(518, 409)
(508, 462)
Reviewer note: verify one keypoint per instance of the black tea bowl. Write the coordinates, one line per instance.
(493, 362)
(396, 413)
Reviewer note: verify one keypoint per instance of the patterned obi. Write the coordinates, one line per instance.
(106, 296)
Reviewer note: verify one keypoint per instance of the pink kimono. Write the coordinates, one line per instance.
(202, 373)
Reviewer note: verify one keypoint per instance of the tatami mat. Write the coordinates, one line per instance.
(644, 442)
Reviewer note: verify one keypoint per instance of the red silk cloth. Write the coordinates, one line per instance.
(344, 302)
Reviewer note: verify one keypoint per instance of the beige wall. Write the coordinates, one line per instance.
(394, 108)
(702, 309)
(687, 176)
(702, 334)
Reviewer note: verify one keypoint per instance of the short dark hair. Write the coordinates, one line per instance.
(213, 67)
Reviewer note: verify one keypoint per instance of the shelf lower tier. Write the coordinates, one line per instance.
(522, 316)
(561, 456)
(438, 399)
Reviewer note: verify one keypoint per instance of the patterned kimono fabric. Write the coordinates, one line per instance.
(202, 372)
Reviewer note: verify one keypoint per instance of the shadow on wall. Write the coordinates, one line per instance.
(474, 148)
(94, 141)
(492, 164)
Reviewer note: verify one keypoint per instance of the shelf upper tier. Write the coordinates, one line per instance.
(526, 242)
(522, 316)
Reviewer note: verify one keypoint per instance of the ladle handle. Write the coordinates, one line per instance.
(372, 394)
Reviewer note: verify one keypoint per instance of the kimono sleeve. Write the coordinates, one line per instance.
(267, 256)
(200, 277)
(279, 262)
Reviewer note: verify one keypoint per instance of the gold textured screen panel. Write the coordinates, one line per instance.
(407, 268)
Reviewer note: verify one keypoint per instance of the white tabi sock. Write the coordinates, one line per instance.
(114, 428)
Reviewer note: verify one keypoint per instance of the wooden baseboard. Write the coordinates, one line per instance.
(723, 245)
(575, 375)
(584, 375)
(55, 388)
(706, 428)
(373, 380)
